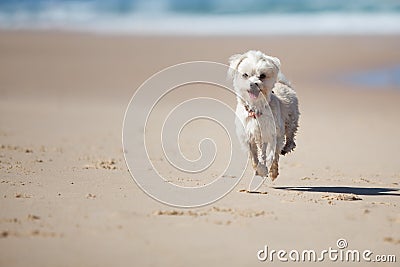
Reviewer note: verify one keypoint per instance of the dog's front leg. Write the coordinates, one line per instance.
(253, 155)
(262, 169)
(274, 171)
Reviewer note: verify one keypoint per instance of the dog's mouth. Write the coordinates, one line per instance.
(253, 93)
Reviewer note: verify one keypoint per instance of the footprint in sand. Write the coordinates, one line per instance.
(253, 192)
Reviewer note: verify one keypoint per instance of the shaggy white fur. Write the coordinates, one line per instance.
(267, 110)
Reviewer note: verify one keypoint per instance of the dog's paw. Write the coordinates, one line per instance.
(273, 173)
(262, 170)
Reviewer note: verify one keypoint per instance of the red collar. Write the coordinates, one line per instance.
(252, 113)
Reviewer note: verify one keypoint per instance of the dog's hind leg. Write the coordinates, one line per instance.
(291, 126)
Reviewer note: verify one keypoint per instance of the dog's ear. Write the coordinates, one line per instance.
(234, 62)
(276, 62)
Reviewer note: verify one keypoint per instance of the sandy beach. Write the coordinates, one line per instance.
(67, 198)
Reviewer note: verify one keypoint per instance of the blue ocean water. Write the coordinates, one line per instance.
(375, 78)
(205, 16)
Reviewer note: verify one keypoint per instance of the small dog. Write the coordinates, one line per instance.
(267, 110)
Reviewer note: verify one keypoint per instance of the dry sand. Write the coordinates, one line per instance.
(67, 198)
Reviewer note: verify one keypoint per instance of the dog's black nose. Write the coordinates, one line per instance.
(254, 86)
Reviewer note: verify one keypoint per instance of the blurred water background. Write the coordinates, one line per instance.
(205, 17)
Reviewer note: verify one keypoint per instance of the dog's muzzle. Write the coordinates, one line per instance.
(254, 90)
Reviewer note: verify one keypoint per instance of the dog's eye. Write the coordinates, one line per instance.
(262, 76)
(245, 76)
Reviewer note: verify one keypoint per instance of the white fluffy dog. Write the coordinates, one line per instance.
(267, 110)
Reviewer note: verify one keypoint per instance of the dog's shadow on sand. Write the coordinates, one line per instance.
(364, 191)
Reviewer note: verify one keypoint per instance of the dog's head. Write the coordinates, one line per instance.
(253, 73)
